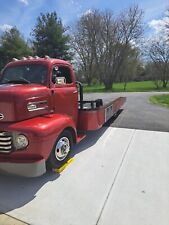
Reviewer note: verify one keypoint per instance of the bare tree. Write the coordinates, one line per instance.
(102, 42)
(84, 43)
(128, 70)
(130, 29)
(119, 34)
(159, 55)
(153, 74)
(107, 47)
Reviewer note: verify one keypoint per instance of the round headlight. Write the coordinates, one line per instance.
(21, 141)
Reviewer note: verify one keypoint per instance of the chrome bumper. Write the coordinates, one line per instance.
(33, 169)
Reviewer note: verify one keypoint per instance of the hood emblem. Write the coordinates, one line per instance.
(1, 116)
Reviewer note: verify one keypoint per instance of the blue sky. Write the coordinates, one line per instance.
(23, 13)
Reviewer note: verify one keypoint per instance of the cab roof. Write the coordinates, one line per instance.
(45, 61)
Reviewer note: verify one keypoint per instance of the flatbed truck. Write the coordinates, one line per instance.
(43, 114)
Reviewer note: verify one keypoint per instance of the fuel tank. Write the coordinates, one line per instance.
(23, 101)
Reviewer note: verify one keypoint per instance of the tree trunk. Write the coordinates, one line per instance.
(164, 83)
(125, 85)
(89, 81)
(108, 85)
(156, 84)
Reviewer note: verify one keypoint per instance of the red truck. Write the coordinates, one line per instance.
(42, 114)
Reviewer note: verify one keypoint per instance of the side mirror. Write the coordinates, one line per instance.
(57, 77)
(60, 80)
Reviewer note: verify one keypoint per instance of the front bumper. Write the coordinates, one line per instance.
(33, 169)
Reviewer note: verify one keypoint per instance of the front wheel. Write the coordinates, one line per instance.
(61, 150)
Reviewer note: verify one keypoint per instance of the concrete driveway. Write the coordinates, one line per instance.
(119, 176)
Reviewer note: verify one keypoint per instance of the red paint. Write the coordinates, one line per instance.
(41, 132)
(42, 127)
(94, 119)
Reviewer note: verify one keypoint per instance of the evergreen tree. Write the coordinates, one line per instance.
(50, 38)
(12, 45)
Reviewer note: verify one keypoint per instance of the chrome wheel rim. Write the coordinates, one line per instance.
(62, 148)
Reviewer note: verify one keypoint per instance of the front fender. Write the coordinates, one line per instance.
(42, 133)
(43, 126)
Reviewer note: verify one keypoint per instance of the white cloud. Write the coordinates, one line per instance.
(87, 12)
(25, 2)
(5, 27)
(159, 25)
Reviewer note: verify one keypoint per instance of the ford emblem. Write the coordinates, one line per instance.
(1, 116)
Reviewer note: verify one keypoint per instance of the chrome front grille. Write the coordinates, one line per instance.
(5, 142)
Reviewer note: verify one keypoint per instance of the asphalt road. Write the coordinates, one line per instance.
(138, 112)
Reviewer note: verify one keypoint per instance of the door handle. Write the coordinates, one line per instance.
(74, 92)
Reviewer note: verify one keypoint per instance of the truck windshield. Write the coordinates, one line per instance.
(26, 74)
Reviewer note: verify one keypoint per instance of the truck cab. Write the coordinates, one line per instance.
(37, 87)
(38, 102)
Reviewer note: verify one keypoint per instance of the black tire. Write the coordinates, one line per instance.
(54, 161)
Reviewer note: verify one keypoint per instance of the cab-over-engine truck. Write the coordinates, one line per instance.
(42, 114)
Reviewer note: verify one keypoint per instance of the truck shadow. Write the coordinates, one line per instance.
(16, 192)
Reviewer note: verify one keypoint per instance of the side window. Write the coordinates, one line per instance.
(61, 72)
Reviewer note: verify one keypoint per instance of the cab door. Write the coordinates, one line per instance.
(65, 91)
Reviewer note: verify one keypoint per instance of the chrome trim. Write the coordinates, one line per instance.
(2, 133)
(1, 116)
(5, 138)
(5, 151)
(33, 169)
(37, 103)
(31, 110)
(6, 143)
(4, 147)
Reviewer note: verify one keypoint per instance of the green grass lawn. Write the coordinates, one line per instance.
(131, 87)
(162, 100)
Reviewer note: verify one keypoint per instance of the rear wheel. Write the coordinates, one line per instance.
(61, 150)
